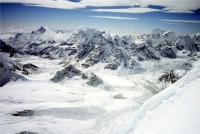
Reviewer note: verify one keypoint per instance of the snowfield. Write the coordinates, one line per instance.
(173, 111)
(68, 107)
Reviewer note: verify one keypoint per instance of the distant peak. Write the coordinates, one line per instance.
(87, 29)
(42, 29)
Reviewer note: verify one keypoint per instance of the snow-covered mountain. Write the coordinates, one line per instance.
(86, 78)
(91, 46)
(87, 47)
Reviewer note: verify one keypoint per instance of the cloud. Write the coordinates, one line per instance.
(63, 4)
(128, 10)
(71, 4)
(181, 21)
(171, 6)
(177, 11)
(114, 17)
(181, 6)
(109, 3)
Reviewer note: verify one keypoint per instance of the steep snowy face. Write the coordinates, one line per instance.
(7, 70)
(188, 44)
(172, 111)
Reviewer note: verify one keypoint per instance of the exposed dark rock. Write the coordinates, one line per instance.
(66, 44)
(17, 67)
(118, 96)
(23, 113)
(156, 34)
(179, 46)
(46, 50)
(25, 72)
(133, 64)
(86, 65)
(81, 54)
(197, 46)
(146, 52)
(30, 66)
(17, 36)
(51, 41)
(93, 58)
(85, 50)
(139, 58)
(32, 48)
(168, 52)
(111, 66)
(1, 65)
(69, 72)
(27, 132)
(190, 43)
(6, 48)
(94, 80)
(169, 77)
(84, 76)
(149, 43)
(186, 43)
(40, 30)
(72, 52)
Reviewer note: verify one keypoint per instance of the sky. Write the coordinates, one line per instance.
(116, 16)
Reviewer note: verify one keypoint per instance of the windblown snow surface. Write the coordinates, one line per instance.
(173, 111)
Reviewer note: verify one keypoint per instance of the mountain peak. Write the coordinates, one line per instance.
(42, 29)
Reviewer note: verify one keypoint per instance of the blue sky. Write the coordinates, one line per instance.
(117, 16)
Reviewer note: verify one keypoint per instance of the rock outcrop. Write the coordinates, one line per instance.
(23, 113)
(30, 67)
(6, 48)
(69, 72)
(93, 79)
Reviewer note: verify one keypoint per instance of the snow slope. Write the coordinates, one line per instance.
(173, 111)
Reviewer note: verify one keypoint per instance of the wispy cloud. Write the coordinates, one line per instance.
(114, 17)
(177, 11)
(128, 10)
(176, 6)
(181, 21)
(63, 4)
